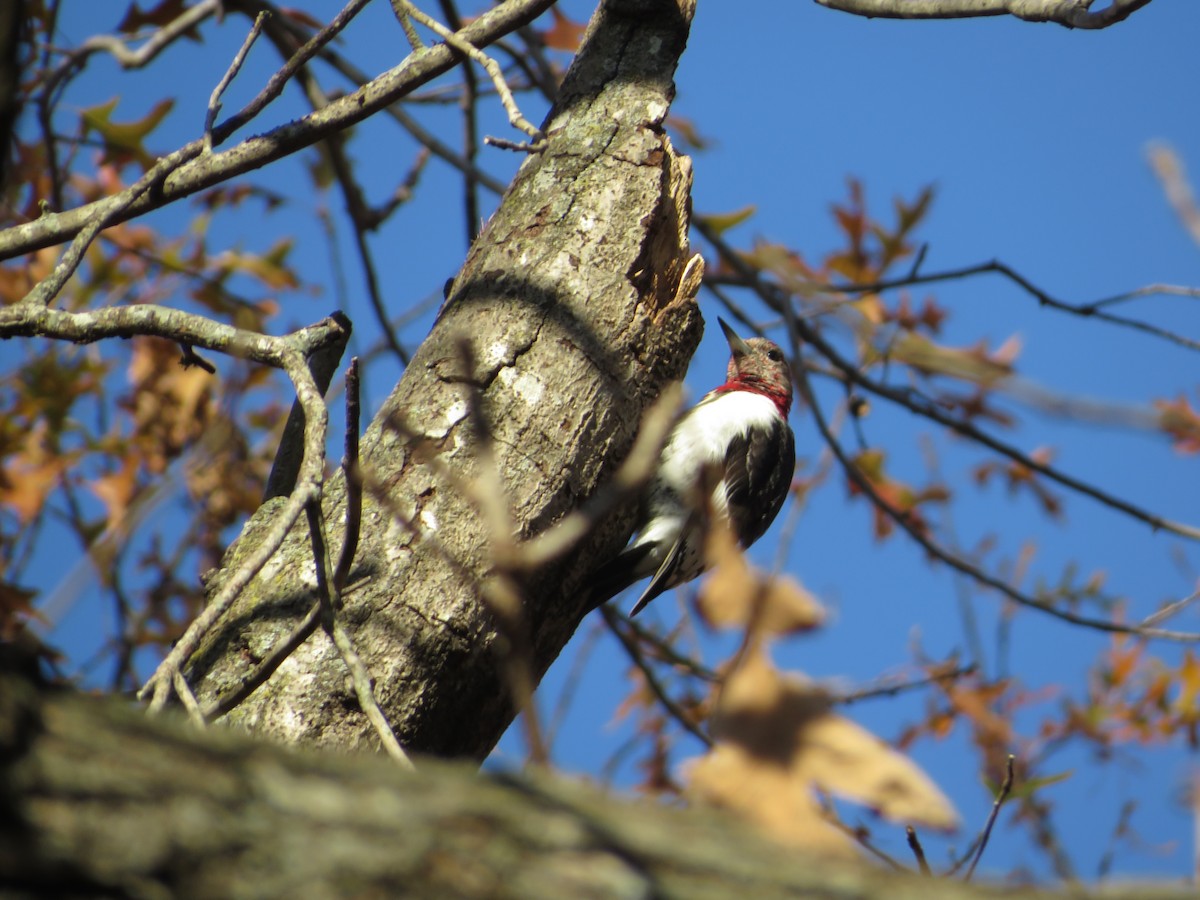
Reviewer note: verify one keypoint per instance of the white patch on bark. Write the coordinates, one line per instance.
(429, 521)
(308, 575)
(455, 414)
(525, 385)
(495, 354)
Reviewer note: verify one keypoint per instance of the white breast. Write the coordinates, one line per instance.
(702, 437)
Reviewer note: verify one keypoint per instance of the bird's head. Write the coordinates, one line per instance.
(759, 365)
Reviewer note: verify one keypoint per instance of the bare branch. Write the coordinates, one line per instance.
(102, 214)
(353, 481)
(634, 650)
(914, 844)
(890, 687)
(1086, 310)
(307, 490)
(490, 66)
(274, 87)
(1169, 168)
(267, 667)
(214, 102)
(211, 169)
(135, 58)
(426, 138)
(1068, 13)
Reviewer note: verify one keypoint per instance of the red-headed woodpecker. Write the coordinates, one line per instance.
(737, 435)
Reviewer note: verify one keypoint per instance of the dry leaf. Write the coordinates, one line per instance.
(777, 739)
(735, 595)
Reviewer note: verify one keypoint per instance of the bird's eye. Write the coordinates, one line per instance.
(774, 355)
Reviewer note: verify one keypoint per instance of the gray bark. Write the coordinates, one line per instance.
(571, 301)
(98, 800)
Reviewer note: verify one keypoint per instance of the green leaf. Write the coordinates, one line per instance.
(722, 222)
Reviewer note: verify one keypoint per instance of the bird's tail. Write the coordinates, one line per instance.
(619, 573)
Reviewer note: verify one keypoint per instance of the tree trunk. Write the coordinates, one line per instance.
(573, 302)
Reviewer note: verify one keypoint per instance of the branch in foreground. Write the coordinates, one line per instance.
(1068, 13)
(96, 796)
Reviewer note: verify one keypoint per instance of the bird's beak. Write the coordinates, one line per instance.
(736, 344)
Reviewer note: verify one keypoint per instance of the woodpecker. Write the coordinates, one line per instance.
(737, 439)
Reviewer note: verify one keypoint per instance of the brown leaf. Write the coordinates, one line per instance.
(1181, 422)
(28, 476)
(777, 739)
(116, 490)
(735, 596)
(564, 34)
(163, 13)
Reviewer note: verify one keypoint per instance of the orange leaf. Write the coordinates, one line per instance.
(564, 34)
(1181, 422)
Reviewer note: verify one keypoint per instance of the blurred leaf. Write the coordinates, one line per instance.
(973, 364)
(123, 140)
(686, 132)
(777, 741)
(734, 595)
(564, 34)
(163, 13)
(902, 498)
(1181, 422)
(722, 222)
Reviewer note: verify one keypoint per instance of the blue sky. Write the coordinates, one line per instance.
(1035, 138)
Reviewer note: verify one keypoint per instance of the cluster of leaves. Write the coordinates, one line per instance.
(93, 440)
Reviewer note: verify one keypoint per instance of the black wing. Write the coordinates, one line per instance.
(758, 472)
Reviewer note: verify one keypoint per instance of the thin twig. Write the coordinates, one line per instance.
(419, 133)
(1068, 13)
(1170, 609)
(362, 217)
(307, 491)
(189, 357)
(634, 650)
(1149, 290)
(214, 102)
(102, 216)
(266, 668)
(189, 701)
(914, 844)
(330, 604)
(886, 689)
(275, 85)
(467, 104)
(490, 66)
(410, 32)
(1005, 788)
(352, 478)
(665, 651)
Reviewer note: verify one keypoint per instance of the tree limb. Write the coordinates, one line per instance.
(1068, 13)
(211, 169)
